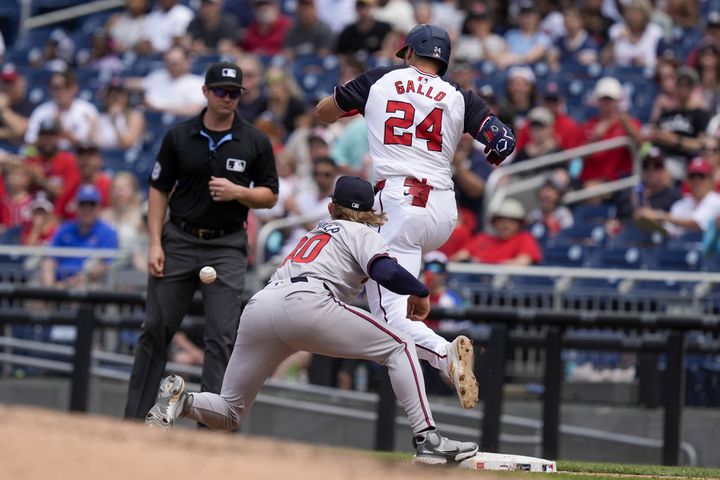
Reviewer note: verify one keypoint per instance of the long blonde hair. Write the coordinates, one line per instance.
(368, 218)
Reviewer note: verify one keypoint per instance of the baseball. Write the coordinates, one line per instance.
(208, 275)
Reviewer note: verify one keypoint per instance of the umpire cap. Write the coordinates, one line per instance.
(354, 193)
(428, 41)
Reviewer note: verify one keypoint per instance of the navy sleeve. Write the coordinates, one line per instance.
(164, 172)
(354, 94)
(391, 275)
(476, 111)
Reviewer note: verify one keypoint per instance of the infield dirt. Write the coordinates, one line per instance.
(40, 444)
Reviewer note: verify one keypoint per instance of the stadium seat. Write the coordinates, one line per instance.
(586, 234)
(682, 259)
(625, 258)
(593, 214)
(564, 255)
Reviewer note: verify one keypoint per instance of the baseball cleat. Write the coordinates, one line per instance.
(431, 448)
(170, 402)
(460, 369)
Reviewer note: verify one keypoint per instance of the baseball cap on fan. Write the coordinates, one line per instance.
(354, 193)
(224, 74)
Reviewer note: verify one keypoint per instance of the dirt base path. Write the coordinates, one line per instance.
(41, 444)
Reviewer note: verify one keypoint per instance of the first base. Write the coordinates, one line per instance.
(499, 461)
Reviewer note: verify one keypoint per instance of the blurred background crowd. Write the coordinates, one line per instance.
(84, 105)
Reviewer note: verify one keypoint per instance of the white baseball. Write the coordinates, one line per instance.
(208, 275)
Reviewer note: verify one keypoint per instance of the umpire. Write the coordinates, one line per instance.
(210, 170)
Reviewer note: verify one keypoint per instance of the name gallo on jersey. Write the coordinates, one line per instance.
(408, 86)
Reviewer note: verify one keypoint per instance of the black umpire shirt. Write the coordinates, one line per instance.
(191, 154)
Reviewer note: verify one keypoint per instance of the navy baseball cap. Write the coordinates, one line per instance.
(354, 193)
(88, 193)
(428, 41)
(224, 74)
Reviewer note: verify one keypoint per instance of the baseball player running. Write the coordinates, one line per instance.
(415, 120)
(304, 308)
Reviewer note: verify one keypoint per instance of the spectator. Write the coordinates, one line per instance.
(15, 203)
(519, 96)
(665, 79)
(87, 231)
(54, 170)
(253, 100)
(678, 130)
(542, 139)
(464, 74)
(125, 215)
(165, 27)
(551, 19)
(710, 152)
(284, 101)
(434, 275)
(15, 108)
(683, 13)
(172, 89)
(551, 214)
(477, 41)
(240, 10)
(57, 53)
(576, 46)
(400, 14)
(596, 21)
(266, 35)
(337, 14)
(211, 31)
(127, 28)
(693, 212)
(509, 244)
(364, 37)
(448, 15)
(471, 172)
(119, 125)
(526, 44)
(77, 116)
(707, 65)
(567, 132)
(610, 122)
(89, 162)
(634, 42)
(657, 191)
(392, 42)
(102, 56)
(41, 228)
(309, 35)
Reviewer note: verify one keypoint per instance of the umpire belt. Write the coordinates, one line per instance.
(200, 232)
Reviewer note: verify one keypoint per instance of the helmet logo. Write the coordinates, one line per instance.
(437, 52)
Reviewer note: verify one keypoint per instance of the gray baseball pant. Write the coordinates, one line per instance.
(286, 317)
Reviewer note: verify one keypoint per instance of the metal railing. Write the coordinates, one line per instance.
(27, 22)
(491, 365)
(495, 192)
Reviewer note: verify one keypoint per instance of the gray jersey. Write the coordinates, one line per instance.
(337, 252)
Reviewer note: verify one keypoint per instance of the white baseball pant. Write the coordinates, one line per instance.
(286, 317)
(410, 232)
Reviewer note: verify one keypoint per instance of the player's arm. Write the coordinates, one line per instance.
(391, 275)
(349, 99)
(498, 138)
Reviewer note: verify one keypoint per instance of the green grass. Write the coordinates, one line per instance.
(590, 471)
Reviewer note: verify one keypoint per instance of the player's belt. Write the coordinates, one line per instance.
(200, 232)
(298, 279)
(419, 189)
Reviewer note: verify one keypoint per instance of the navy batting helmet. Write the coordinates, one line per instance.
(428, 41)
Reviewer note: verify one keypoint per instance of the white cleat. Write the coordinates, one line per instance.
(460, 369)
(170, 402)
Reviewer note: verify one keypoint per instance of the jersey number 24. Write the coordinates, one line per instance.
(429, 129)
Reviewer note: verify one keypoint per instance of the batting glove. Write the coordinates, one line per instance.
(498, 138)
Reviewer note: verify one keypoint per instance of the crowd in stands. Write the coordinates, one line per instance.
(84, 106)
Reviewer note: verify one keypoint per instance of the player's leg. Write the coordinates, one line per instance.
(338, 330)
(222, 304)
(257, 352)
(168, 299)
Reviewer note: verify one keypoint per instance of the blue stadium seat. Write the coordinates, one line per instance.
(633, 236)
(593, 214)
(688, 260)
(565, 255)
(624, 258)
(586, 234)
